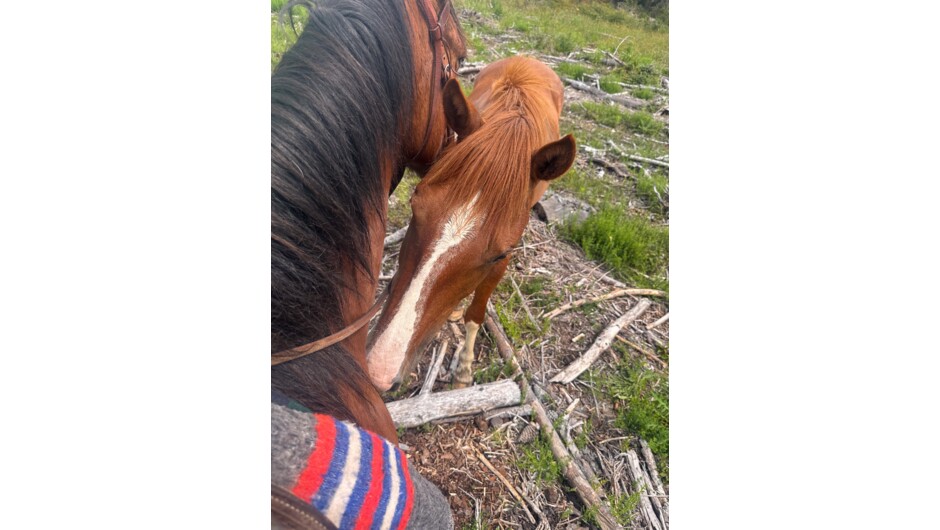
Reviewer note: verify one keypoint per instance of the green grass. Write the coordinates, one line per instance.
(643, 93)
(537, 458)
(642, 399)
(493, 371)
(647, 187)
(572, 70)
(611, 84)
(632, 246)
(616, 117)
(623, 506)
(564, 26)
(400, 213)
(282, 36)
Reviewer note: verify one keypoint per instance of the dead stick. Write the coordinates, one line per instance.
(522, 299)
(571, 471)
(508, 484)
(658, 322)
(396, 236)
(412, 412)
(613, 294)
(647, 506)
(600, 345)
(435, 368)
(630, 103)
(649, 355)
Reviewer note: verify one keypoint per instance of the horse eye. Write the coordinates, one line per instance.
(497, 258)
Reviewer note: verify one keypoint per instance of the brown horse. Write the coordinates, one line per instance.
(471, 208)
(355, 101)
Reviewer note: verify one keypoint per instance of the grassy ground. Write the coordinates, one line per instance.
(627, 237)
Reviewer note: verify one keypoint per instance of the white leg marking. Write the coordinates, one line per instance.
(463, 374)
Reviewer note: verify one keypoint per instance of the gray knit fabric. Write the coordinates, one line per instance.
(292, 439)
(431, 509)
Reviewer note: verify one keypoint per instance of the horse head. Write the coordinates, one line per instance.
(471, 208)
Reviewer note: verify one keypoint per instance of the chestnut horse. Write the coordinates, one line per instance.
(355, 101)
(471, 209)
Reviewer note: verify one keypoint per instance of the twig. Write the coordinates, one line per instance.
(636, 158)
(649, 355)
(435, 368)
(663, 319)
(616, 170)
(522, 299)
(614, 58)
(469, 70)
(508, 484)
(630, 103)
(646, 87)
(650, 509)
(573, 474)
(613, 294)
(396, 236)
(603, 341)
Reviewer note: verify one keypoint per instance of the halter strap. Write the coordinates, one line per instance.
(290, 354)
(436, 31)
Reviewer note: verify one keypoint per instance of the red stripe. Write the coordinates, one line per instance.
(374, 494)
(410, 496)
(318, 462)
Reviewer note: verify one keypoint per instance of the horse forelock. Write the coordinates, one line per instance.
(495, 163)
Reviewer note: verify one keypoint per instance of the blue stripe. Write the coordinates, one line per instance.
(358, 496)
(334, 475)
(402, 491)
(386, 489)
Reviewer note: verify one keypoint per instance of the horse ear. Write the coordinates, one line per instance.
(461, 115)
(553, 159)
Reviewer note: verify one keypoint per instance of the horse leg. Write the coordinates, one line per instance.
(473, 319)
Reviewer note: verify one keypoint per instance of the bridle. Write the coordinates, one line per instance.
(436, 31)
(290, 354)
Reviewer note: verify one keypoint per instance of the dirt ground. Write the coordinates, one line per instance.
(447, 453)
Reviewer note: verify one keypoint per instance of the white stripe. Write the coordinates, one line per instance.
(392, 504)
(394, 340)
(334, 512)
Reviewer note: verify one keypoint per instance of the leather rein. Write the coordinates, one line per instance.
(436, 30)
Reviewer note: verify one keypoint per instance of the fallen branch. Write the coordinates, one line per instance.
(509, 412)
(469, 70)
(396, 236)
(600, 345)
(630, 103)
(422, 409)
(570, 470)
(611, 167)
(650, 507)
(512, 489)
(613, 294)
(433, 371)
(525, 306)
(649, 355)
(646, 87)
(658, 322)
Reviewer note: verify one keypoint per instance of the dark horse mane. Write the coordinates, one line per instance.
(336, 106)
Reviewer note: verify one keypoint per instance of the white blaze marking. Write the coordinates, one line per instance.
(393, 342)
